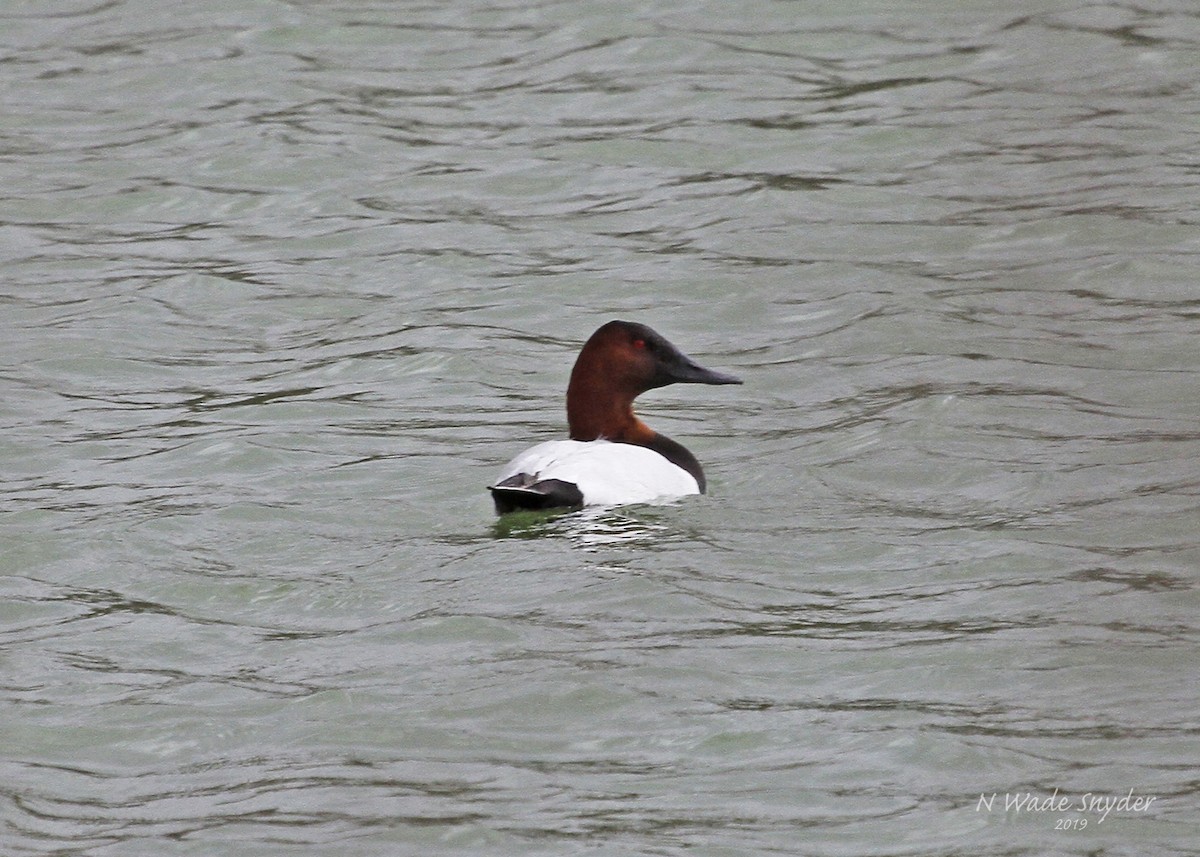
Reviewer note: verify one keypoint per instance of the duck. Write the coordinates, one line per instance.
(612, 458)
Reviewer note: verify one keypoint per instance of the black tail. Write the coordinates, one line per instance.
(520, 492)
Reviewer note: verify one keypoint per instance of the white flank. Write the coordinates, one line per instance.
(608, 474)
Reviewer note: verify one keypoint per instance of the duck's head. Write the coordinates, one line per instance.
(622, 360)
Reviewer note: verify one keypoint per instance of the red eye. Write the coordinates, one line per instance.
(639, 343)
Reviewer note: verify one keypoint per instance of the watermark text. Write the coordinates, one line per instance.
(1092, 804)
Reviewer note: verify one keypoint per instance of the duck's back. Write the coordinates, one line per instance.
(605, 474)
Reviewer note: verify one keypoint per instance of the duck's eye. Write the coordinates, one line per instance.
(639, 343)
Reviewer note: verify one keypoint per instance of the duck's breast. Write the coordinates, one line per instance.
(608, 474)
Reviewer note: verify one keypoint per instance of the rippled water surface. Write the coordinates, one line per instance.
(286, 282)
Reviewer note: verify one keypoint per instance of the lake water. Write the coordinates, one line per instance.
(285, 284)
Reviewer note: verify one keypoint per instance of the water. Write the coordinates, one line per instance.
(286, 282)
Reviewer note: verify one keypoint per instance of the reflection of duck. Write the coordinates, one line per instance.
(612, 457)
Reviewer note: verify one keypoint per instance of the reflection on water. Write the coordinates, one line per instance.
(286, 283)
(593, 528)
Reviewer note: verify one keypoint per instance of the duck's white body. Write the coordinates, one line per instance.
(607, 474)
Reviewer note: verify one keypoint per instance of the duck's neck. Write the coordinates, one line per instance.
(598, 408)
(592, 416)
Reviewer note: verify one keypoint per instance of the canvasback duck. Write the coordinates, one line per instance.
(612, 457)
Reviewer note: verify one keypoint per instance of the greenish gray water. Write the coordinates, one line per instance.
(287, 282)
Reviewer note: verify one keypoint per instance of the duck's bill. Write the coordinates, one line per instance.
(688, 372)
